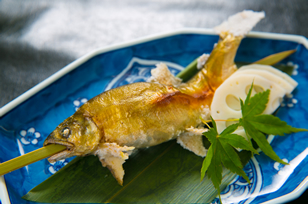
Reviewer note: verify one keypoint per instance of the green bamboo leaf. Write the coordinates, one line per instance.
(189, 71)
(275, 58)
(288, 69)
(166, 173)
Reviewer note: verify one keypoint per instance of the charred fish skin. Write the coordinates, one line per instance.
(114, 123)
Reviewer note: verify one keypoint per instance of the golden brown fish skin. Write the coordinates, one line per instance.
(82, 139)
(144, 114)
(139, 115)
(219, 66)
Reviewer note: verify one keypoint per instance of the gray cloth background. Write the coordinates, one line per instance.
(38, 38)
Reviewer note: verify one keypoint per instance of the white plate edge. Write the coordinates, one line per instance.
(4, 196)
(8, 107)
(254, 34)
(296, 193)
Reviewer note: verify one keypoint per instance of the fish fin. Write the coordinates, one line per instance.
(192, 141)
(240, 23)
(220, 64)
(114, 164)
(113, 156)
(162, 75)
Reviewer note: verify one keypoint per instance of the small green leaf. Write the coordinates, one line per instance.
(214, 171)
(229, 154)
(211, 135)
(262, 142)
(206, 162)
(223, 152)
(247, 100)
(270, 124)
(238, 141)
(214, 125)
(231, 160)
(256, 104)
(230, 129)
(256, 125)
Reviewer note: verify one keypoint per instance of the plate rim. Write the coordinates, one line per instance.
(66, 69)
(297, 192)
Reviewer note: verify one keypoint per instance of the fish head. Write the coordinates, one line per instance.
(78, 133)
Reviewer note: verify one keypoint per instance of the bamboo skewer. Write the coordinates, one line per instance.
(30, 158)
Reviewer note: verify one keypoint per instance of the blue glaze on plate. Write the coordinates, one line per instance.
(25, 127)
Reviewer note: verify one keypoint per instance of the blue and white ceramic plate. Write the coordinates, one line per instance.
(26, 121)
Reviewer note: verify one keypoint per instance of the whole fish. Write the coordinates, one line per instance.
(114, 123)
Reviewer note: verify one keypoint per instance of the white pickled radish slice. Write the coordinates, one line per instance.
(269, 69)
(226, 104)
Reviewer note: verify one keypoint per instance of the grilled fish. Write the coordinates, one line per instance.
(114, 123)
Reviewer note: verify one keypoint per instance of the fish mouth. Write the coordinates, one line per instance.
(68, 152)
(68, 145)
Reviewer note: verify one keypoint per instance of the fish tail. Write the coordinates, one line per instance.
(220, 64)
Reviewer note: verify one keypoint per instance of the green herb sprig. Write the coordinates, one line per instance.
(222, 150)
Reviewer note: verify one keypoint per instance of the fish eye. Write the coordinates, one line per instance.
(66, 132)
